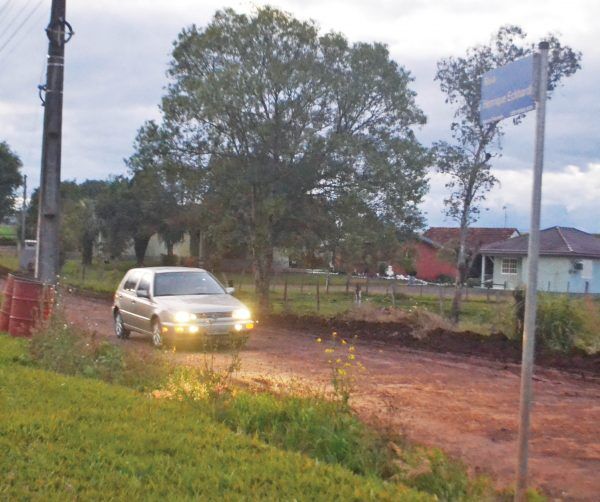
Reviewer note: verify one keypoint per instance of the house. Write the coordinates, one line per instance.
(569, 261)
(434, 253)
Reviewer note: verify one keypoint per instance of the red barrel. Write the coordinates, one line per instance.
(6, 302)
(31, 302)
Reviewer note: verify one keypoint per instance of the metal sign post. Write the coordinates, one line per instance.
(532, 277)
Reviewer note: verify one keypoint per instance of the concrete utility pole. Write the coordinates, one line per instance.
(46, 263)
(23, 211)
(532, 276)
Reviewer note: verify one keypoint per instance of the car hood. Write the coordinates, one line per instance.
(199, 303)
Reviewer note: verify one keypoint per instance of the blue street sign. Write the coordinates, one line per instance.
(507, 91)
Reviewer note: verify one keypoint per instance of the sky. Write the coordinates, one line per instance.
(115, 77)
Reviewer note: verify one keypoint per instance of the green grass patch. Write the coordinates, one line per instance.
(291, 420)
(8, 232)
(74, 437)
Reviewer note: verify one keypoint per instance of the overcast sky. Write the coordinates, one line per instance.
(115, 76)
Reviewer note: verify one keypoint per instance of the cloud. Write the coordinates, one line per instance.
(569, 198)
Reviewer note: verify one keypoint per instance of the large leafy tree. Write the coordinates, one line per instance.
(282, 121)
(467, 159)
(10, 179)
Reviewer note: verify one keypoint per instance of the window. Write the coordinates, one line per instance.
(144, 284)
(186, 283)
(131, 281)
(509, 266)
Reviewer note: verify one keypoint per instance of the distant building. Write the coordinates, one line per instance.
(569, 261)
(434, 253)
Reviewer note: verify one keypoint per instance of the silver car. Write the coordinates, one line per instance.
(177, 302)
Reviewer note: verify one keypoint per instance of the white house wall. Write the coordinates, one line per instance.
(555, 274)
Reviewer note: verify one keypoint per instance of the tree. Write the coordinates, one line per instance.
(282, 121)
(10, 179)
(467, 160)
(176, 187)
(79, 226)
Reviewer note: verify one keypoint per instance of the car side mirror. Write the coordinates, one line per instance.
(229, 291)
(143, 293)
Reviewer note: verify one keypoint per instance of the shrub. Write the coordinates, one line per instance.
(61, 347)
(559, 321)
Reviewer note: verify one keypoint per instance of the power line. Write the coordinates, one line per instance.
(15, 18)
(24, 33)
(14, 33)
(6, 4)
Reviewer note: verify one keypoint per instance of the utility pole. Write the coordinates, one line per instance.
(47, 263)
(23, 211)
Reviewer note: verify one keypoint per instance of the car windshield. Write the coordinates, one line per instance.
(186, 283)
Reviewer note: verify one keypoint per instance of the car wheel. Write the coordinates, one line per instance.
(157, 338)
(120, 329)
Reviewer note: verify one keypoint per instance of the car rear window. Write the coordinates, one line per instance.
(186, 283)
(145, 283)
(131, 280)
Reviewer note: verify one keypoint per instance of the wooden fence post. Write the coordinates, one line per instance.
(318, 297)
(358, 294)
(394, 295)
(285, 297)
(327, 284)
(441, 299)
(347, 283)
(367, 286)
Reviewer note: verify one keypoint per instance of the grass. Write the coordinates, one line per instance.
(291, 420)
(74, 437)
(8, 232)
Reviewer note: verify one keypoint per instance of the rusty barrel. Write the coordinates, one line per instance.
(31, 302)
(6, 302)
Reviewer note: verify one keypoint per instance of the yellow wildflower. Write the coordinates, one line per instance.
(343, 342)
(351, 357)
(319, 340)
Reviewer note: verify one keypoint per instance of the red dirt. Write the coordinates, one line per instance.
(466, 405)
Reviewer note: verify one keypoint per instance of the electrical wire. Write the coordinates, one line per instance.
(6, 4)
(16, 31)
(14, 19)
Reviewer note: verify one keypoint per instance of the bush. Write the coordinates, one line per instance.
(559, 321)
(61, 347)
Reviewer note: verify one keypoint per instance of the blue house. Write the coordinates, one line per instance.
(569, 262)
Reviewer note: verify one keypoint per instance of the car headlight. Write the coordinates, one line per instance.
(184, 317)
(241, 314)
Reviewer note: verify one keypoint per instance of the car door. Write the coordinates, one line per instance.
(127, 298)
(143, 305)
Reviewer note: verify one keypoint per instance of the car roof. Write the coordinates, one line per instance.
(160, 270)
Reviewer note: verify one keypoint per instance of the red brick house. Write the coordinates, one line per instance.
(434, 253)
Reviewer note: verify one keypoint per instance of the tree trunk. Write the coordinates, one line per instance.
(87, 252)
(170, 246)
(263, 261)
(461, 265)
(140, 244)
(195, 243)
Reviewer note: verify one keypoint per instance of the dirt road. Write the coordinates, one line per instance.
(465, 405)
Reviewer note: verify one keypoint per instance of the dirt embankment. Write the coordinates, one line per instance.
(495, 347)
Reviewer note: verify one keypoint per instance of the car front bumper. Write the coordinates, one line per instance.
(208, 328)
